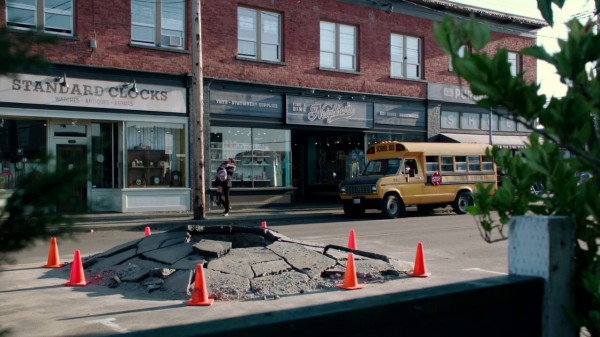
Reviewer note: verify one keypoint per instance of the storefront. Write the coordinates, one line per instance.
(454, 117)
(291, 145)
(129, 131)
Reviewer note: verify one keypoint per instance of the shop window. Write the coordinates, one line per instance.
(104, 155)
(23, 147)
(158, 23)
(259, 35)
(338, 46)
(262, 156)
(49, 16)
(405, 56)
(156, 155)
(375, 138)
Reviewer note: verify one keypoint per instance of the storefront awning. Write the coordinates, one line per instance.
(503, 142)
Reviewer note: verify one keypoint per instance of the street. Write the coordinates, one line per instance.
(35, 302)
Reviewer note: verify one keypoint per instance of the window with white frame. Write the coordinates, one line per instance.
(259, 35)
(515, 66)
(158, 23)
(49, 16)
(405, 56)
(338, 46)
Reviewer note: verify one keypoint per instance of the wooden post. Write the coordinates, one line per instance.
(197, 166)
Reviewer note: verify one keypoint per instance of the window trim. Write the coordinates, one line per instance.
(337, 52)
(403, 56)
(40, 11)
(258, 38)
(158, 28)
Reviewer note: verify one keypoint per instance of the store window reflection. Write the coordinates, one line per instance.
(262, 156)
(155, 155)
(23, 147)
(104, 155)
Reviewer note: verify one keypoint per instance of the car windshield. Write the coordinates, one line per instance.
(382, 167)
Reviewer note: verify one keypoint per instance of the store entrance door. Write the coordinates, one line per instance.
(70, 157)
(322, 162)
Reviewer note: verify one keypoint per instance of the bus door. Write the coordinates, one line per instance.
(414, 181)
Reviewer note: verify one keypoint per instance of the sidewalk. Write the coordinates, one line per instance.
(247, 216)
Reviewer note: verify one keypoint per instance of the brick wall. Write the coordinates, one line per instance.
(109, 22)
(301, 47)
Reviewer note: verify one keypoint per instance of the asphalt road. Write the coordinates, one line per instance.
(35, 302)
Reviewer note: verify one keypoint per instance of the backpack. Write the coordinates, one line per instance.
(222, 174)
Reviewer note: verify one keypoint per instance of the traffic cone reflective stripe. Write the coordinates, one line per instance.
(147, 231)
(352, 240)
(77, 275)
(420, 270)
(199, 294)
(350, 279)
(53, 259)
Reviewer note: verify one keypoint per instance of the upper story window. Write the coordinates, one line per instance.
(515, 64)
(259, 35)
(338, 46)
(158, 23)
(405, 56)
(50, 16)
(461, 53)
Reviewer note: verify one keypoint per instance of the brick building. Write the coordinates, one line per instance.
(293, 90)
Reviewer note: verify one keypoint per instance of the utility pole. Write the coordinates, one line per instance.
(198, 198)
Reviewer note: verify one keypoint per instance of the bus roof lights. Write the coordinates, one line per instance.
(400, 147)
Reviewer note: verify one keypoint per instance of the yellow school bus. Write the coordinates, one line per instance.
(426, 175)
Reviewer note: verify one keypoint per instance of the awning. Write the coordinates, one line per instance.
(503, 142)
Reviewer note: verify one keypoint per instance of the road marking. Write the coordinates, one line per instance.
(108, 322)
(485, 271)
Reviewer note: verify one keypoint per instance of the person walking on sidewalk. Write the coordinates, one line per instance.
(229, 167)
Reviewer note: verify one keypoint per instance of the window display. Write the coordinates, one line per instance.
(23, 147)
(262, 156)
(155, 155)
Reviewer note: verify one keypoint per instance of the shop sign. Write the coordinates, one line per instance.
(450, 93)
(246, 104)
(329, 112)
(405, 114)
(85, 93)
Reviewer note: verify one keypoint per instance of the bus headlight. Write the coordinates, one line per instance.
(343, 189)
(374, 189)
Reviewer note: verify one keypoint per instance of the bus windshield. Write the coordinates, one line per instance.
(379, 167)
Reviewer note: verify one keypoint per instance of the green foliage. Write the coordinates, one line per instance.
(569, 123)
(40, 207)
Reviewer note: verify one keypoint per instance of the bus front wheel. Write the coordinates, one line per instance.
(462, 202)
(393, 207)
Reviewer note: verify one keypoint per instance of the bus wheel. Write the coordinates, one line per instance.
(353, 211)
(392, 207)
(462, 202)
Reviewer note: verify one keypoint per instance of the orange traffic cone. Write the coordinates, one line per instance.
(147, 231)
(263, 224)
(419, 269)
(77, 276)
(53, 260)
(352, 240)
(350, 279)
(199, 294)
